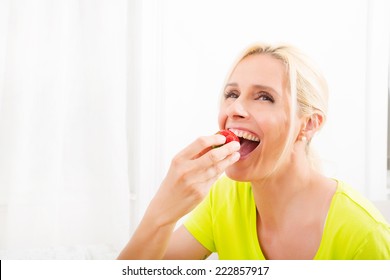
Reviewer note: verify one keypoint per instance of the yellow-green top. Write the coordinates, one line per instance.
(225, 222)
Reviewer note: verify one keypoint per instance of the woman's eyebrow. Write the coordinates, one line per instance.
(231, 85)
(267, 88)
(255, 86)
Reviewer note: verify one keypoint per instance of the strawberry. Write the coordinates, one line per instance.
(230, 136)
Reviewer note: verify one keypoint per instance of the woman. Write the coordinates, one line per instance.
(273, 203)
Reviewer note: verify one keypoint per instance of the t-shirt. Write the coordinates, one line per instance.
(225, 222)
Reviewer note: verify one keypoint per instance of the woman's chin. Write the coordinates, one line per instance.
(236, 174)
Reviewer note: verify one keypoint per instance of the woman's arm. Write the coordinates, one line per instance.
(183, 246)
(190, 176)
(149, 241)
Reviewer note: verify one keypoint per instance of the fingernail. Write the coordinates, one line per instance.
(236, 156)
(236, 145)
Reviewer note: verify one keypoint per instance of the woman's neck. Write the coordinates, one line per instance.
(281, 196)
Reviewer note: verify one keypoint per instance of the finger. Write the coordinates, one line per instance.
(214, 163)
(210, 165)
(215, 155)
(217, 169)
(211, 174)
(201, 145)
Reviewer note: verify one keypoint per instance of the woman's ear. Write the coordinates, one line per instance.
(311, 125)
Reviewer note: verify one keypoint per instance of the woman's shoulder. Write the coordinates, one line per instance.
(351, 205)
(226, 181)
(354, 229)
(227, 186)
(226, 190)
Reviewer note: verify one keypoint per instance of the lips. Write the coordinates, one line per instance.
(248, 141)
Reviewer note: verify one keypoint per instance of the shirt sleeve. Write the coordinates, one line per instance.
(199, 223)
(376, 245)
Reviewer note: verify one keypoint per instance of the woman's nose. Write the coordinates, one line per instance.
(237, 109)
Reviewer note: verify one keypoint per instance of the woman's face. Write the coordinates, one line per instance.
(256, 107)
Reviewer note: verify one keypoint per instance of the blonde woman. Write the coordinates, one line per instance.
(271, 203)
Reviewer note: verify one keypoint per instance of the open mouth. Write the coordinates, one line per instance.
(248, 141)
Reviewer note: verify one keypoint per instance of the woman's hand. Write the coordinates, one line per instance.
(190, 176)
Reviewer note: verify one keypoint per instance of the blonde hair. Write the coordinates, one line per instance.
(308, 88)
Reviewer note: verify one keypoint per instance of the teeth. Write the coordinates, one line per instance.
(244, 134)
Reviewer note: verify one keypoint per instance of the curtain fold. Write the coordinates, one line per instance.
(63, 119)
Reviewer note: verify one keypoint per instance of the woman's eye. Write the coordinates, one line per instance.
(265, 97)
(231, 94)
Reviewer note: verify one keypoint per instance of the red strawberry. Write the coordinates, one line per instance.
(230, 136)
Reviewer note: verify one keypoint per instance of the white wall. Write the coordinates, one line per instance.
(188, 46)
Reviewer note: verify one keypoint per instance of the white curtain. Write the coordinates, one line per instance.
(63, 129)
